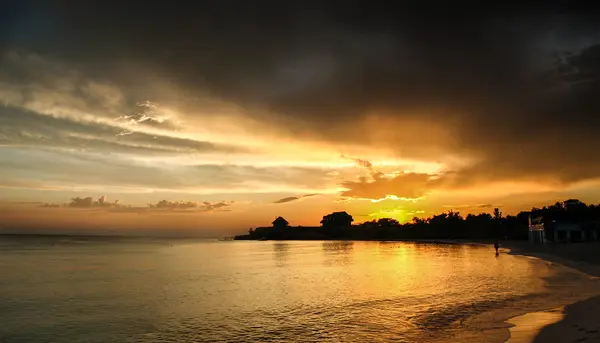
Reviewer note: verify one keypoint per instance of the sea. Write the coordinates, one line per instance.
(111, 289)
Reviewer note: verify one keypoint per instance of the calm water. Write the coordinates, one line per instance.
(75, 290)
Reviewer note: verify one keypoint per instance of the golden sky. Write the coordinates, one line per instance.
(193, 131)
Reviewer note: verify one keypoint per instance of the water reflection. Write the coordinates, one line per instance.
(390, 248)
(208, 291)
(441, 249)
(337, 246)
(337, 252)
(281, 253)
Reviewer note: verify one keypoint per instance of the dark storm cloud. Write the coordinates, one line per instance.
(484, 74)
(47, 103)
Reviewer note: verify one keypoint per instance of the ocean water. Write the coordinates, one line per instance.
(72, 289)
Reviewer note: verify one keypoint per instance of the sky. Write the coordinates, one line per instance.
(211, 117)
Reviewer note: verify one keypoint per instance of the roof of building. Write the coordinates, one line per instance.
(280, 220)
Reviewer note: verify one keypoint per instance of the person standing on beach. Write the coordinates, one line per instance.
(496, 246)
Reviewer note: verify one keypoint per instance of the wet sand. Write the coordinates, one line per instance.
(584, 257)
(581, 324)
(577, 322)
(528, 326)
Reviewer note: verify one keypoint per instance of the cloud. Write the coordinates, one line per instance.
(290, 199)
(89, 202)
(363, 163)
(440, 85)
(146, 114)
(48, 104)
(470, 207)
(35, 83)
(190, 206)
(42, 168)
(404, 186)
(284, 200)
(400, 185)
(161, 206)
(165, 204)
(367, 165)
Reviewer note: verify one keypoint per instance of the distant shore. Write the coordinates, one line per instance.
(580, 322)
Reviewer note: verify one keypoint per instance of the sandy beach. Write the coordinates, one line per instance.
(577, 322)
(580, 324)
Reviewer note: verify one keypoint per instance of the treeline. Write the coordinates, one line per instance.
(453, 225)
(450, 225)
(447, 225)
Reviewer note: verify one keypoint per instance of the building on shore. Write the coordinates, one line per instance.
(541, 231)
(537, 232)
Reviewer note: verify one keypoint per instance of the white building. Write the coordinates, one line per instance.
(537, 232)
(560, 232)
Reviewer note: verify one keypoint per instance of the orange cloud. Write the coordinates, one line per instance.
(404, 185)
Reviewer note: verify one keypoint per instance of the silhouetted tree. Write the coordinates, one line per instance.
(387, 222)
(334, 224)
(497, 214)
(340, 219)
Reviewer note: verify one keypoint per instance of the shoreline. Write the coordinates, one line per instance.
(520, 249)
(527, 327)
(570, 322)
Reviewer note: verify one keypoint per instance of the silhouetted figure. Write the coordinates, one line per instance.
(496, 246)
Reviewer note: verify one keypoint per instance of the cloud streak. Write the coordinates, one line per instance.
(205, 206)
(89, 202)
(290, 199)
(164, 206)
(146, 114)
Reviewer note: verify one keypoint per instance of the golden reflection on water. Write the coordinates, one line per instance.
(397, 289)
(264, 291)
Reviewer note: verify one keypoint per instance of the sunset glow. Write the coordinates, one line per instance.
(297, 130)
